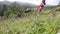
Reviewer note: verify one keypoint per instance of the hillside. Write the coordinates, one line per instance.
(30, 23)
(28, 5)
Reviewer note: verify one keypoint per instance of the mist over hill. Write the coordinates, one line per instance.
(22, 4)
(28, 5)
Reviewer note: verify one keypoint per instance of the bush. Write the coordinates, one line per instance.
(2, 9)
(13, 9)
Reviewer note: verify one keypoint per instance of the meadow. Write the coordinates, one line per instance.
(30, 23)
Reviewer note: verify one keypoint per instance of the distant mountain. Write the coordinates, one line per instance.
(5, 2)
(2, 3)
(27, 5)
(59, 2)
(20, 3)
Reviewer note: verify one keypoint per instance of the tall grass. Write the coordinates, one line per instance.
(30, 23)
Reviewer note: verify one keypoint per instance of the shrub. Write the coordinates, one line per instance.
(13, 9)
(2, 9)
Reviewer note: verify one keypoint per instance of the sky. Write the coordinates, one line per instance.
(37, 2)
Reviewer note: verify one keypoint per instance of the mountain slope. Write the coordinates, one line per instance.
(30, 5)
(26, 4)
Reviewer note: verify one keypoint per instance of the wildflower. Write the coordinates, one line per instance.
(44, 2)
(41, 6)
(53, 15)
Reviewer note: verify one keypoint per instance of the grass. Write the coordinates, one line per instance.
(32, 24)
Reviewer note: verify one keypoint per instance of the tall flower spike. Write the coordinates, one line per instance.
(41, 6)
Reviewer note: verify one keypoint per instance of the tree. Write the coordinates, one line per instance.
(13, 9)
(2, 9)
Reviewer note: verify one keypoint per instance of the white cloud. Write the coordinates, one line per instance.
(29, 1)
(1, 0)
(52, 2)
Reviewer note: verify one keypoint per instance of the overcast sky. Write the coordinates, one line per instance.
(37, 2)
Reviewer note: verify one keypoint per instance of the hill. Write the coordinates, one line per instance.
(20, 3)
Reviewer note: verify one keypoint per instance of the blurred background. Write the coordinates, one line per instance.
(20, 17)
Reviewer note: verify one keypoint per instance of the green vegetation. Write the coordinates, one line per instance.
(30, 23)
(12, 10)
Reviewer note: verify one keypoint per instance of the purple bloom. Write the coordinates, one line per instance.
(42, 6)
(53, 15)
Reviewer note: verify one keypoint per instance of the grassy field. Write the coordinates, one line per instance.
(30, 23)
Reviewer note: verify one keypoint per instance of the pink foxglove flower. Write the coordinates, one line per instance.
(42, 6)
(53, 15)
(44, 2)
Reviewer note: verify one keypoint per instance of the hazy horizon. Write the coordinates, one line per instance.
(37, 2)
